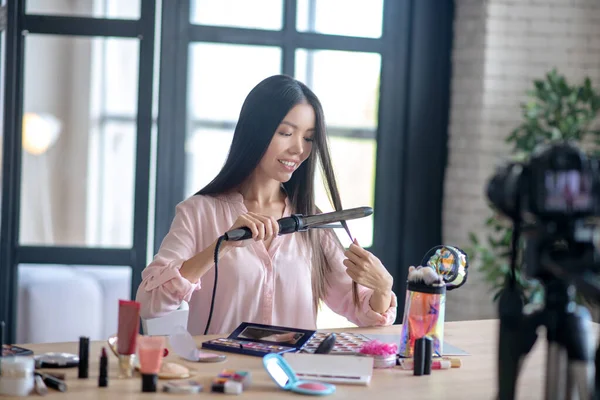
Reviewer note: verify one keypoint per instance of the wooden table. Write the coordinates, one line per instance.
(476, 379)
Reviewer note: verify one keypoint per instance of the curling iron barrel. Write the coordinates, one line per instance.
(299, 223)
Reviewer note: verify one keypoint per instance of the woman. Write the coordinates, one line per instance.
(273, 280)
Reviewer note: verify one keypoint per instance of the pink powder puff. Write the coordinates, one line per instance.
(377, 348)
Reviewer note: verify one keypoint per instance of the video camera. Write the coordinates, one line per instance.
(554, 200)
(555, 197)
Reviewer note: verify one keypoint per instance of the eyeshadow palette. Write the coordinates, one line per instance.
(345, 342)
(260, 340)
(8, 350)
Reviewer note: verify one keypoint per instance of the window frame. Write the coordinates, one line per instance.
(172, 132)
(413, 112)
(12, 253)
(415, 48)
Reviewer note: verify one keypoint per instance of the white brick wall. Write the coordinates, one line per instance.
(500, 46)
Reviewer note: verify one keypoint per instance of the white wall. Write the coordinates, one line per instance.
(500, 47)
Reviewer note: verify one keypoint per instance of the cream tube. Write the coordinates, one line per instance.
(127, 333)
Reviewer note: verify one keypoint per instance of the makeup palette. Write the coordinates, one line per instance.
(285, 377)
(9, 351)
(345, 343)
(183, 387)
(259, 340)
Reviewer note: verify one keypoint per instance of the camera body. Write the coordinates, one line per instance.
(553, 195)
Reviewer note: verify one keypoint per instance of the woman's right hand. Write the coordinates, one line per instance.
(262, 227)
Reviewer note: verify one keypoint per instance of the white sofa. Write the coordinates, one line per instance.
(60, 303)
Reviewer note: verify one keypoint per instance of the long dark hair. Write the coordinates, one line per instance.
(265, 107)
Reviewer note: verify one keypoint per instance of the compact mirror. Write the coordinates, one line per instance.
(285, 377)
(56, 360)
(277, 372)
(184, 346)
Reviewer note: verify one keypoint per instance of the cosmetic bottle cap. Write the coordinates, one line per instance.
(149, 382)
(125, 366)
(454, 362)
(17, 367)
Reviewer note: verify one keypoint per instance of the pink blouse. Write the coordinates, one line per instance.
(255, 285)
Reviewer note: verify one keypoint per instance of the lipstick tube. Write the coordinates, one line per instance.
(103, 376)
(84, 357)
(40, 386)
(428, 354)
(419, 357)
(53, 382)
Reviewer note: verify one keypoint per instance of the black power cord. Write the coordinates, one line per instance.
(212, 301)
(291, 224)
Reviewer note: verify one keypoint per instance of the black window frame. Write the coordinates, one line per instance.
(21, 24)
(415, 49)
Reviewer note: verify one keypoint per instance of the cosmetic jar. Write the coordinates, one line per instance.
(16, 376)
(387, 361)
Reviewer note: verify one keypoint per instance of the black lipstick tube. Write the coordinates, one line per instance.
(419, 357)
(84, 357)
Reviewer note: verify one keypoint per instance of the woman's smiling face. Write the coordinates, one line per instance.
(291, 144)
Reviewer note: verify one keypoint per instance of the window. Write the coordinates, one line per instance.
(350, 107)
(258, 14)
(117, 9)
(221, 74)
(360, 18)
(79, 141)
(81, 169)
(216, 92)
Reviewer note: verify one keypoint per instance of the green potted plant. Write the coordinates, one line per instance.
(554, 110)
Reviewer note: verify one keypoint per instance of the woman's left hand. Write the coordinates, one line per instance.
(366, 269)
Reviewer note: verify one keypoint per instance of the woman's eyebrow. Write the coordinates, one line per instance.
(294, 125)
